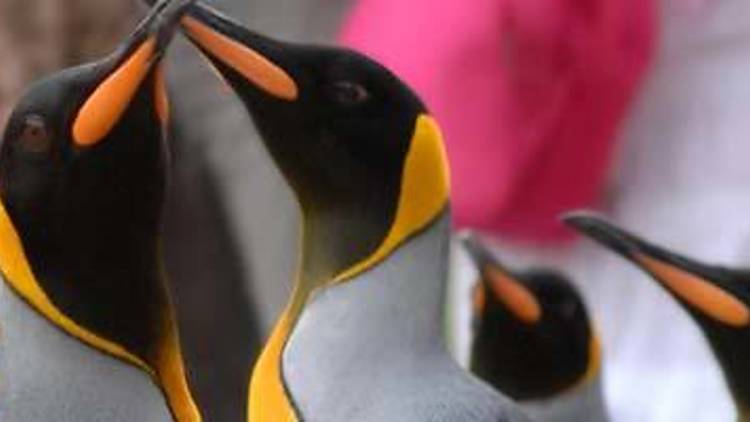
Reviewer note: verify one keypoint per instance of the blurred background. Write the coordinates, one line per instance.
(637, 108)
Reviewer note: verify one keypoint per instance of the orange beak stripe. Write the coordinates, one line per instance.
(161, 96)
(249, 63)
(515, 296)
(106, 105)
(478, 299)
(698, 293)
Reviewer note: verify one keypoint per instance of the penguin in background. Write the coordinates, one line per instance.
(88, 330)
(717, 298)
(534, 340)
(361, 336)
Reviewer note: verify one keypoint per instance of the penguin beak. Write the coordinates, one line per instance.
(126, 71)
(697, 286)
(255, 58)
(518, 299)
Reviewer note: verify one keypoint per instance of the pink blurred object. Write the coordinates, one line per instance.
(529, 93)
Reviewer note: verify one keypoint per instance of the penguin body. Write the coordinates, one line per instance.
(534, 339)
(359, 339)
(717, 298)
(86, 315)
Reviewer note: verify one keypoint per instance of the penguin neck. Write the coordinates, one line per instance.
(269, 395)
(331, 243)
(82, 249)
(133, 258)
(384, 319)
(425, 273)
(78, 280)
(322, 261)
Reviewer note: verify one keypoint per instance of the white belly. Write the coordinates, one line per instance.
(47, 375)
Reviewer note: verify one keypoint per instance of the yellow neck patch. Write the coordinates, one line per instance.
(171, 375)
(424, 194)
(425, 190)
(595, 357)
(268, 400)
(594, 366)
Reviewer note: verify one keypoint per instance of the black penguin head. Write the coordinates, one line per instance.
(712, 294)
(338, 124)
(717, 298)
(346, 133)
(533, 337)
(84, 146)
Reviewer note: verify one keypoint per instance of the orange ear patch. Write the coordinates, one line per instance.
(104, 107)
(698, 293)
(249, 63)
(515, 296)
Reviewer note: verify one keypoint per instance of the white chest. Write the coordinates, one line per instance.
(46, 375)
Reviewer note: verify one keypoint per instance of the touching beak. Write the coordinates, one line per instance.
(497, 280)
(252, 57)
(697, 286)
(127, 69)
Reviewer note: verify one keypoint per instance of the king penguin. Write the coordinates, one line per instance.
(534, 340)
(716, 297)
(360, 339)
(88, 330)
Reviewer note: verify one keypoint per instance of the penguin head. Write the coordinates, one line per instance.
(351, 139)
(84, 146)
(717, 298)
(533, 336)
(337, 123)
(713, 294)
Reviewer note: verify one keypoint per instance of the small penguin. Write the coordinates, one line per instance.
(716, 297)
(360, 339)
(534, 340)
(88, 329)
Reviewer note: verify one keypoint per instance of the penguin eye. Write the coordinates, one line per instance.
(349, 93)
(34, 135)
